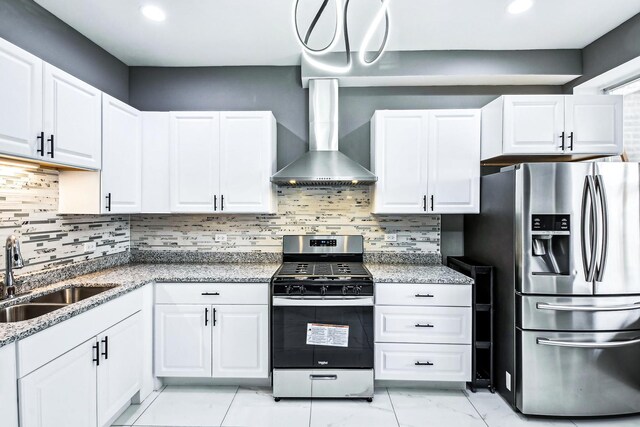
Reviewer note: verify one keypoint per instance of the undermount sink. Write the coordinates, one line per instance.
(50, 302)
(71, 295)
(20, 312)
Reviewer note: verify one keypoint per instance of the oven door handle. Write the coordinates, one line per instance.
(328, 302)
(579, 344)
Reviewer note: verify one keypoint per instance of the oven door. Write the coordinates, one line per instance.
(294, 346)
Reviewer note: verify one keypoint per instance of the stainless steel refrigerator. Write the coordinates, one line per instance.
(565, 241)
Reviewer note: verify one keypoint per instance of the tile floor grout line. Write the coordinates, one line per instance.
(464, 393)
(392, 407)
(310, 410)
(151, 403)
(229, 407)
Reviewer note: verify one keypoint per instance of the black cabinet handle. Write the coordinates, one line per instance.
(222, 202)
(420, 325)
(210, 293)
(51, 141)
(105, 353)
(571, 141)
(215, 202)
(562, 141)
(108, 197)
(41, 139)
(424, 364)
(96, 347)
(214, 317)
(424, 203)
(432, 203)
(424, 296)
(206, 316)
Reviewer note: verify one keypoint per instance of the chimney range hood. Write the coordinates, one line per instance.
(323, 164)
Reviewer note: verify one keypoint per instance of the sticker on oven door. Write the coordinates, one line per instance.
(330, 335)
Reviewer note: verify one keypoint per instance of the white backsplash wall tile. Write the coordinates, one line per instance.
(301, 210)
(28, 209)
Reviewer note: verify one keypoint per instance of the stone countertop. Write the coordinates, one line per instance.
(126, 279)
(410, 273)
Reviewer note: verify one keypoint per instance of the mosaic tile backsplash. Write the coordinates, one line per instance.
(301, 210)
(28, 209)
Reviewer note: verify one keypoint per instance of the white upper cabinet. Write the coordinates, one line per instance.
(121, 157)
(194, 161)
(593, 124)
(155, 163)
(247, 161)
(533, 124)
(426, 161)
(72, 120)
(454, 166)
(399, 149)
(578, 126)
(20, 102)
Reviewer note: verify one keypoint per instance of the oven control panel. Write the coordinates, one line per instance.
(323, 242)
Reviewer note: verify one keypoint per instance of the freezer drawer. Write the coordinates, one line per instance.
(578, 374)
(578, 313)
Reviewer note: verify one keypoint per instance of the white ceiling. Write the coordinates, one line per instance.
(260, 32)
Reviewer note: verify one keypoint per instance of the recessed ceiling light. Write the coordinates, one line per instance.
(519, 6)
(153, 13)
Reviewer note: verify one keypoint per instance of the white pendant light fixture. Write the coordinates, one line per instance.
(312, 56)
(153, 13)
(519, 6)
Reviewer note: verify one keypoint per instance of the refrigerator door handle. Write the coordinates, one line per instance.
(559, 307)
(588, 194)
(578, 344)
(604, 250)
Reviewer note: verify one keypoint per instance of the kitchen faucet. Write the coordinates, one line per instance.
(13, 259)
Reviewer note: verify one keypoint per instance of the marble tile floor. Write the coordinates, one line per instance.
(200, 406)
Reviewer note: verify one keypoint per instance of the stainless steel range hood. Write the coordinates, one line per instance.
(323, 164)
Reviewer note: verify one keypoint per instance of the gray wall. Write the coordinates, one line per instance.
(29, 26)
(618, 46)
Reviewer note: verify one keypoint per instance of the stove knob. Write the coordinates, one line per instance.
(323, 290)
(302, 290)
(358, 289)
(344, 290)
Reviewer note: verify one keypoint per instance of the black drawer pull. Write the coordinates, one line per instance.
(424, 364)
(210, 293)
(562, 139)
(96, 347)
(206, 316)
(51, 141)
(41, 139)
(105, 353)
(108, 197)
(214, 317)
(420, 325)
(424, 296)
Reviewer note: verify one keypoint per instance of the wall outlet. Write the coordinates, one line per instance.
(221, 237)
(390, 237)
(508, 379)
(90, 246)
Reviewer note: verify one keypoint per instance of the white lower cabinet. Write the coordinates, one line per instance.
(182, 341)
(8, 389)
(226, 339)
(423, 332)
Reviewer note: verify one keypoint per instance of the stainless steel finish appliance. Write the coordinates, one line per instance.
(323, 164)
(322, 319)
(13, 260)
(565, 241)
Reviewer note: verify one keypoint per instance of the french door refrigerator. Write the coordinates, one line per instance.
(565, 241)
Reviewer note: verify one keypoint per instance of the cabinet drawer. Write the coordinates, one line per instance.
(423, 362)
(423, 294)
(212, 293)
(437, 325)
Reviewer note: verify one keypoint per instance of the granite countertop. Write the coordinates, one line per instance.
(127, 278)
(411, 273)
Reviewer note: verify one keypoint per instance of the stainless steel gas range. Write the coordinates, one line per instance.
(322, 319)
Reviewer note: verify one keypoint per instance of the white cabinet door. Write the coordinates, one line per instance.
(247, 161)
(62, 392)
(121, 157)
(399, 159)
(72, 120)
(195, 151)
(155, 163)
(183, 340)
(8, 385)
(454, 161)
(533, 124)
(241, 341)
(593, 124)
(120, 370)
(20, 101)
